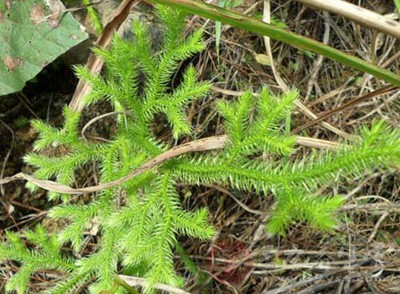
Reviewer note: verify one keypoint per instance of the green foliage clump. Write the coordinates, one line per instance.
(139, 221)
(47, 255)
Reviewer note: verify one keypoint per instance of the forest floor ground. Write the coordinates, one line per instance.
(361, 256)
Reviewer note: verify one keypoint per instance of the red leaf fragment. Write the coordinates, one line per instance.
(237, 265)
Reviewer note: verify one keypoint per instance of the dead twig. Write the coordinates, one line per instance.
(358, 14)
(352, 102)
(284, 87)
(377, 225)
(206, 144)
(95, 63)
(140, 282)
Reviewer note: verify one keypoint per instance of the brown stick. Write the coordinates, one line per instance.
(358, 14)
(206, 144)
(140, 282)
(95, 63)
(352, 102)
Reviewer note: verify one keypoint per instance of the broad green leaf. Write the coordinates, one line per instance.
(32, 36)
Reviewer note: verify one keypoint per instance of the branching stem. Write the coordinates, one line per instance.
(206, 144)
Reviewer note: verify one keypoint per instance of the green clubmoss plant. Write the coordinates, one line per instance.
(139, 220)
